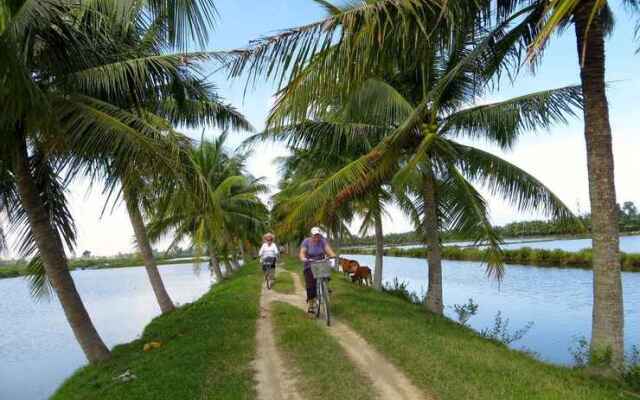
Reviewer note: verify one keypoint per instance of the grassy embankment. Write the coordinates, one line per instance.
(525, 256)
(453, 362)
(206, 353)
(12, 271)
(208, 347)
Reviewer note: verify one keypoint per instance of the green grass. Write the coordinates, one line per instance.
(321, 368)
(453, 362)
(284, 283)
(206, 353)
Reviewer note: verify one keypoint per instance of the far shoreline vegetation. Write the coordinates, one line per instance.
(17, 268)
(557, 258)
(628, 224)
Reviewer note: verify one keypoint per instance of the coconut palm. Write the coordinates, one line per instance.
(592, 20)
(321, 156)
(422, 104)
(55, 73)
(217, 204)
(192, 103)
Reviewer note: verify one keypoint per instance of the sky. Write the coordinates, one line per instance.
(556, 157)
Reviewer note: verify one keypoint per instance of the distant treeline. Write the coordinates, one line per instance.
(629, 221)
(525, 256)
(20, 266)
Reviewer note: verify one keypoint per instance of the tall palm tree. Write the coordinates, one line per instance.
(592, 20)
(192, 102)
(214, 206)
(422, 103)
(52, 78)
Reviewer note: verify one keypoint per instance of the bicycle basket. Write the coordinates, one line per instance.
(321, 269)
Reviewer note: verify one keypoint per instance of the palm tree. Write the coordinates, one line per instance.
(592, 20)
(52, 81)
(214, 206)
(192, 103)
(422, 103)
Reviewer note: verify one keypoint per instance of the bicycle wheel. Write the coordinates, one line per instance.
(325, 303)
(270, 278)
(319, 299)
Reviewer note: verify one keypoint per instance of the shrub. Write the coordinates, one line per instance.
(465, 311)
(500, 330)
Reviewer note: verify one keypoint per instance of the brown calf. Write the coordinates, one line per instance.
(348, 266)
(362, 275)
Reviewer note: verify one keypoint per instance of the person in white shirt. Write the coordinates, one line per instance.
(269, 252)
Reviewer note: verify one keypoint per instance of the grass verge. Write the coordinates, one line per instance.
(453, 362)
(206, 353)
(284, 283)
(322, 369)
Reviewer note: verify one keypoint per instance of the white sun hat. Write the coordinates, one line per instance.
(316, 231)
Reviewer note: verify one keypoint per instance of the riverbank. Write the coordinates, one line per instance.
(525, 256)
(206, 351)
(208, 347)
(13, 271)
(452, 362)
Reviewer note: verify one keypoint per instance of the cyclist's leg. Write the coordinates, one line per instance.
(310, 284)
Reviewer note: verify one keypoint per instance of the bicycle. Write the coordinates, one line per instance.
(269, 269)
(321, 270)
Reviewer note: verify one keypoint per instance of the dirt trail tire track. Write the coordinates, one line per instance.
(389, 381)
(273, 379)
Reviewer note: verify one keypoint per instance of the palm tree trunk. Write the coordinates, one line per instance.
(234, 263)
(215, 264)
(337, 242)
(608, 318)
(228, 266)
(55, 261)
(243, 254)
(377, 272)
(434, 302)
(166, 305)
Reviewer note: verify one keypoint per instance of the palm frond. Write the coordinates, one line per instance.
(504, 122)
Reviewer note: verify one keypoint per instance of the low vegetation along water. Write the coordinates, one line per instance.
(37, 348)
(557, 300)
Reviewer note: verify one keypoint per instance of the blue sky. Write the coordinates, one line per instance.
(556, 157)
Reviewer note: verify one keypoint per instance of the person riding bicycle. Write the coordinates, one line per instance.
(313, 248)
(268, 252)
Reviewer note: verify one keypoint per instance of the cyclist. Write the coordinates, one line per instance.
(313, 248)
(268, 252)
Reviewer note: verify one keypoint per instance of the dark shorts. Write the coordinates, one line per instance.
(266, 266)
(310, 283)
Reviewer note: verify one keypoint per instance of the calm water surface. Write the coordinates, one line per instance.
(557, 300)
(37, 348)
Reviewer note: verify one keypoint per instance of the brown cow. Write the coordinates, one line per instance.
(362, 275)
(348, 266)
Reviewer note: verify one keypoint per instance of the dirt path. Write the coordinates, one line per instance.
(389, 382)
(274, 380)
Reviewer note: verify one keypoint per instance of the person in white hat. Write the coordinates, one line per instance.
(268, 251)
(315, 247)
